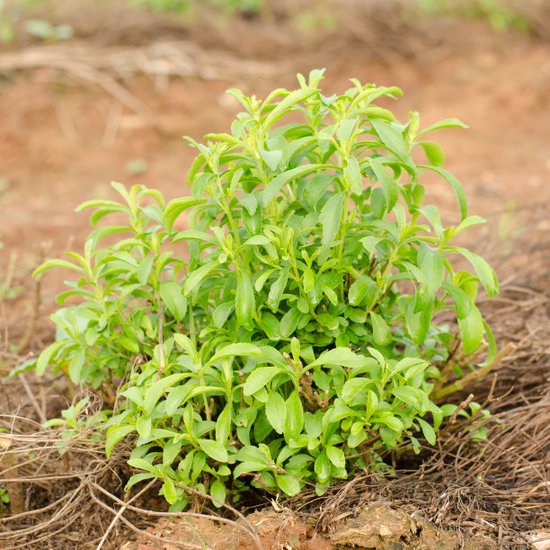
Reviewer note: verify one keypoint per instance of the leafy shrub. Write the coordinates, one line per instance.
(296, 331)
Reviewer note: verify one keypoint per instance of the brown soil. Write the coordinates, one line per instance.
(377, 527)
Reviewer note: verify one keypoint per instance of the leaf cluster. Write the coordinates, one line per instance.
(295, 330)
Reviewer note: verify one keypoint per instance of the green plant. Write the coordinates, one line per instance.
(500, 14)
(14, 12)
(298, 329)
(4, 498)
(186, 6)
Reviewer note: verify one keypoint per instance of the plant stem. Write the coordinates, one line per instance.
(461, 383)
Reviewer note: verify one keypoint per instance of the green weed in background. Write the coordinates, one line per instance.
(500, 14)
(12, 13)
(301, 326)
(186, 6)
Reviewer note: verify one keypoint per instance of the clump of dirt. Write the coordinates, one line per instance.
(379, 526)
(273, 529)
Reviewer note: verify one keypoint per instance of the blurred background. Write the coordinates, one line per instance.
(99, 90)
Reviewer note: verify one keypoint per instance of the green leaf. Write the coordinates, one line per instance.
(286, 104)
(218, 493)
(144, 269)
(381, 332)
(177, 206)
(308, 279)
(263, 276)
(194, 235)
(221, 313)
(259, 378)
(391, 137)
(75, 366)
(196, 277)
(270, 325)
(51, 264)
(272, 158)
(433, 268)
(472, 330)
(428, 431)
(155, 390)
(343, 357)
(184, 342)
(288, 484)
(45, 358)
(213, 449)
(331, 218)
(130, 345)
(434, 152)
(409, 395)
(177, 396)
(277, 183)
(387, 182)
(456, 186)
(275, 410)
(289, 322)
(171, 451)
(323, 467)
(336, 456)
(244, 300)
(413, 366)
(257, 240)
(172, 296)
(142, 464)
(236, 350)
(446, 123)
(369, 243)
(294, 416)
(330, 294)
(144, 426)
(354, 387)
(223, 425)
(114, 435)
(250, 466)
(363, 287)
(470, 221)
(392, 422)
(484, 271)
(138, 478)
(352, 174)
(277, 289)
(169, 491)
(462, 301)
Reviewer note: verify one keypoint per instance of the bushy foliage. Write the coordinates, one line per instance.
(294, 331)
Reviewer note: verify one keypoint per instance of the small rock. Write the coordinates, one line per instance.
(540, 540)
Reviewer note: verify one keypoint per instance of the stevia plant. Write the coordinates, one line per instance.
(301, 325)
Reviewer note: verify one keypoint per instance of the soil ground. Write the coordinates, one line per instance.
(62, 142)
